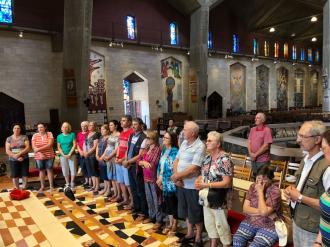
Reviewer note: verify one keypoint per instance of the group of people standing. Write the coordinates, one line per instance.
(186, 181)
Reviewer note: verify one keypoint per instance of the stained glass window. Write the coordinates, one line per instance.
(235, 43)
(209, 41)
(6, 11)
(266, 49)
(317, 56)
(309, 55)
(174, 33)
(302, 54)
(276, 49)
(126, 94)
(286, 50)
(255, 47)
(294, 52)
(130, 22)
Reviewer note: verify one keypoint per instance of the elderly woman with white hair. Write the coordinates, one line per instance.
(215, 185)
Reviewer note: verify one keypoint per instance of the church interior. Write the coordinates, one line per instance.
(216, 62)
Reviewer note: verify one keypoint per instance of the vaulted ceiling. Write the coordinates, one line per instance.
(290, 18)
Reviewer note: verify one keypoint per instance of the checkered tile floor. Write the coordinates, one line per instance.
(95, 222)
(17, 228)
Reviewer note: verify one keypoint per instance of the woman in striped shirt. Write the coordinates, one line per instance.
(323, 238)
(42, 144)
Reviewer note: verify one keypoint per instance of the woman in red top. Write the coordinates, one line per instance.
(81, 136)
(42, 144)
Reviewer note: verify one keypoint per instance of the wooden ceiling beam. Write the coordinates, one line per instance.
(268, 13)
(307, 36)
(311, 3)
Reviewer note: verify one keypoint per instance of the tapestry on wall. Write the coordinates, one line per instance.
(282, 88)
(262, 88)
(314, 88)
(237, 88)
(299, 88)
(171, 74)
(97, 107)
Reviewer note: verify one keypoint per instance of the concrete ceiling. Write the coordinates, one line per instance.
(286, 16)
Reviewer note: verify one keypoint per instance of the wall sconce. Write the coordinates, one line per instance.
(21, 34)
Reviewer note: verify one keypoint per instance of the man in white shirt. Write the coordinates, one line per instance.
(313, 178)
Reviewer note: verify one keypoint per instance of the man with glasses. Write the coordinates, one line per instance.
(313, 178)
(260, 139)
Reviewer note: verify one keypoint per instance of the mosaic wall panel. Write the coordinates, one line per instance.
(314, 88)
(299, 88)
(282, 88)
(237, 87)
(262, 87)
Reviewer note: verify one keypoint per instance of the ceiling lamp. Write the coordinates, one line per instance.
(314, 39)
(271, 30)
(314, 19)
(293, 35)
(21, 34)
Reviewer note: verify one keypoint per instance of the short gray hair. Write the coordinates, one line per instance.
(263, 116)
(317, 128)
(218, 137)
(194, 127)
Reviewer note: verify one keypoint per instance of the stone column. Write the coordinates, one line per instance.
(76, 49)
(199, 27)
(326, 57)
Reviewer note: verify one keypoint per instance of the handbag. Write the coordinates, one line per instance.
(216, 197)
(17, 194)
(69, 193)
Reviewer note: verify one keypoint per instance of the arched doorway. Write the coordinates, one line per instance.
(214, 105)
(136, 96)
(11, 111)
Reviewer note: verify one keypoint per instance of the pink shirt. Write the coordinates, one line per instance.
(80, 139)
(259, 136)
(152, 156)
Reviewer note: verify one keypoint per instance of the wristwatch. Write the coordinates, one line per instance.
(300, 198)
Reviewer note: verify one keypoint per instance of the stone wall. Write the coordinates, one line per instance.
(31, 73)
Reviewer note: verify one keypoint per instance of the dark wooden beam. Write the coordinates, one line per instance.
(312, 3)
(268, 13)
(308, 36)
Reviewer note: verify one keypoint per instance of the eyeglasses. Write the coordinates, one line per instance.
(306, 137)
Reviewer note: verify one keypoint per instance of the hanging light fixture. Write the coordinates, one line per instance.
(272, 29)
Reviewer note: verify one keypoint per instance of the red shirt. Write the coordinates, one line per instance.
(80, 139)
(123, 142)
(259, 136)
(40, 141)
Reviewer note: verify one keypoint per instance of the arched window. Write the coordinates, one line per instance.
(266, 49)
(131, 28)
(309, 55)
(286, 50)
(174, 33)
(235, 43)
(255, 47)
(302, 54)
(317, 56)
(294, 52)
(209, 41)
(276, 49)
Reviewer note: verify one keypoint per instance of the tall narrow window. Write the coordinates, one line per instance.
(174, 33)
(131, 28)
(276, 49)
(266, 49)
(235, 43)
(286, 50)
(294, 52)
(6, 11)
(309, 55)
(209, 41)
(302, 54)
(255, 47)
(317, 56)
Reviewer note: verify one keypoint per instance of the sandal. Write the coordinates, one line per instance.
(166, 230)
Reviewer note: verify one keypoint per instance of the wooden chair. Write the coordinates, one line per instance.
(238, 159)
(278, 178)
(242, 172)
(278, 165)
